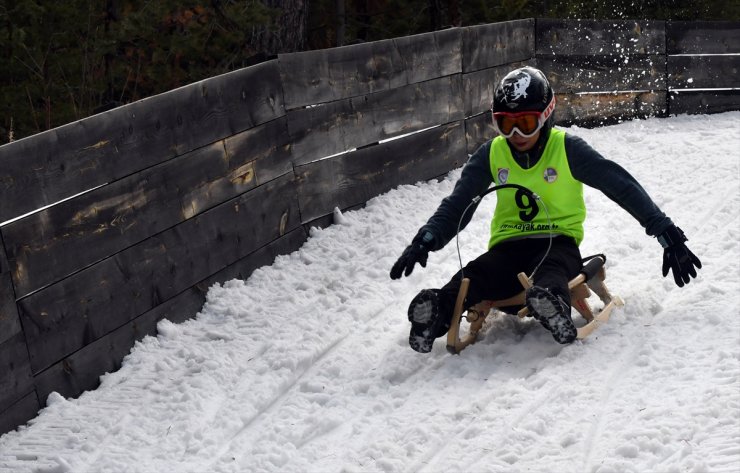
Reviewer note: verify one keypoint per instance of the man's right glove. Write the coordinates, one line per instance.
(677, 256)
(416, 252)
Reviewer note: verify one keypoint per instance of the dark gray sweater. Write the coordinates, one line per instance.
(586, 165)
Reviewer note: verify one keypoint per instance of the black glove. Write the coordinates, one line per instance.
(416, 252)
(677, 256)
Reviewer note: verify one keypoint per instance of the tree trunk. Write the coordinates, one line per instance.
(453, 13)
(341, 22)
(288, 31)
(435, 14)
(363, 20)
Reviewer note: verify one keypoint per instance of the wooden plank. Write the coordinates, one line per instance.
(15, 368)
(596, 38)
(353, 178)
(50, 166)
(4, 266)
(592, 110)
(573, 74)
(267, 147)
(706, 101)
(10, 324)
(479, 86)
(496, 44)
(72, 313)
(703, 37)
(16, 379)
(81, 370)
(478, 130)
(266, 255)
(315, 77)
(19, 413)
(340, 126)
(427, 56)
(54, 243)
(703, 72)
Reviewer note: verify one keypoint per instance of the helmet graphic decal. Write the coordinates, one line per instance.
(516, 88)
(523, 89)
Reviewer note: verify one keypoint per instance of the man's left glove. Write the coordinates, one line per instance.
(416, 252)
(677, 256)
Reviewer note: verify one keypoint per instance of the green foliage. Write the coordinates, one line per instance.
(39, 45)
(62, 61)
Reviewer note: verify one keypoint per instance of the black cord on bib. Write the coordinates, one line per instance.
(477, 200)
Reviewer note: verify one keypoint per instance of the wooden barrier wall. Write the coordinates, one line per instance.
(703, 67)
(147, 205)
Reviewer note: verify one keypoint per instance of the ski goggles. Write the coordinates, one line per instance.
(527, 124)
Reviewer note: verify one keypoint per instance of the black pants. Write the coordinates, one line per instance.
(493, 275)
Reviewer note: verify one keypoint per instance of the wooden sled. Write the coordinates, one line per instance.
(591, 278)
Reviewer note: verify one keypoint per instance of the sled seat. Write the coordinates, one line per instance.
(590, 278)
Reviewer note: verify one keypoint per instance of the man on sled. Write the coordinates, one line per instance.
(540, 240)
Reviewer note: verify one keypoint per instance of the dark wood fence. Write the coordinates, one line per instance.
(145, 206)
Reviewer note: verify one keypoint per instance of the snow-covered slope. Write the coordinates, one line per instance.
(305, 367)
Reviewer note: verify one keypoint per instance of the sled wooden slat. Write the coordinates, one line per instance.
(599, 319)
(454, 344)
(579, 296)
(526, 283)
(580, 289)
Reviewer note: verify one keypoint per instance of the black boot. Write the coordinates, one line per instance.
(552, 312)
(427, 320)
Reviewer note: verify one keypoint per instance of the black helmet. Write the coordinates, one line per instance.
(523, 90)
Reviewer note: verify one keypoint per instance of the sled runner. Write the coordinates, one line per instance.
(591, 278)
